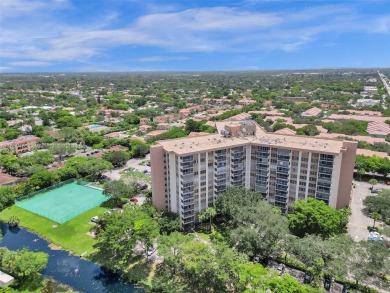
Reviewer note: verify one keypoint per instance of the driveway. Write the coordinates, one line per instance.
(132, 163)
(358, 222)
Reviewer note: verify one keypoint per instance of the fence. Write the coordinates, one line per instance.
(66, 208)
(44, 190)
(62, 219)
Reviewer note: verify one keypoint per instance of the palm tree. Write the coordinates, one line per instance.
(13, 221)
(208, 213)
(376, 217)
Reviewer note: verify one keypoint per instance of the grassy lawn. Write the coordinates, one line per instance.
(70, 236)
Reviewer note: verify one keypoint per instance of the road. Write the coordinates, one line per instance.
(385, 81)
(358, 222)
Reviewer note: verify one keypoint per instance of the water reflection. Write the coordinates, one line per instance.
(80, 274)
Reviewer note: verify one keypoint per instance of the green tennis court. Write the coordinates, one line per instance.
(63, 203)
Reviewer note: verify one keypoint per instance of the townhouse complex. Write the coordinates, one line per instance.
(21, 144)
(188, 173)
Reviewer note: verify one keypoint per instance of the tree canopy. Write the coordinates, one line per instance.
(313, 216)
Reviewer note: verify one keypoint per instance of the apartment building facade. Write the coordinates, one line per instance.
(188, 173)
(20, 145)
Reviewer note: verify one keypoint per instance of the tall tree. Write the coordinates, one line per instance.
(314, 217)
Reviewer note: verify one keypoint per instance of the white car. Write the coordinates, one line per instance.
(94, 219)
(107, 213)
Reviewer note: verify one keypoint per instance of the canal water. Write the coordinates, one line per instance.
(71, 270)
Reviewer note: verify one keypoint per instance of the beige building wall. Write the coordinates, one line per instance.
(347, 168)
(302, 177)
(158, 176)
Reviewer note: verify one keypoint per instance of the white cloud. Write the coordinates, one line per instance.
(159, 59)
(5, 68)
(29, 63)
(15, 8)
(214, 29)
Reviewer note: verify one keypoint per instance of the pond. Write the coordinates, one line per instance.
(71, 270)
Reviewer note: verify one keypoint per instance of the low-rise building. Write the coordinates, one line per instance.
(371, 89)
(378, 129)
(145, 128)
(144, 121)
(366, 103)
(356, 117)
(246, 102)
(20, 145)
(163, 126)
(312, 112)
(155, 133)
(117, 135)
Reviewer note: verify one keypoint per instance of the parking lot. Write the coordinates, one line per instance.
(358, 222)
(115, 174)
(300, 276)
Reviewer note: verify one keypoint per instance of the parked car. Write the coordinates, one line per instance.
(374, 190)
(94, 219)
(256, 259)
(346, 288)
(375, 238)
(280, 269)
(307, 278)
(142, 186)
(107, 213)
(372, 229)
(387, 182)
(133, 199)
(327, 283)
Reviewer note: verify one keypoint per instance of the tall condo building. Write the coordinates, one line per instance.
(188, 173)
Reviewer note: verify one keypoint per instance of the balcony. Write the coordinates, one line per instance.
(188, 207)
(187, 159)
(186, 203)
(326, 164)
(237, 166)
(220, 182)
(262, 166)
(281, 187)
(187, 189)
(220, 171)
(187, 178)
(282, 170)
(186, 171)
(187, 214)
(237, 151)
(220, 188)
(220, 158)
(325, 170)
(261, 189)
(262, 154)
(283, 158)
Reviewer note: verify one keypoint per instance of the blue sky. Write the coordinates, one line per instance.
(131, 35)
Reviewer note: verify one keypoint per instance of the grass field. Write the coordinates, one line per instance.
(70, 236)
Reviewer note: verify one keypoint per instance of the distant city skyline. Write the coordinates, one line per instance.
(131, 35)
